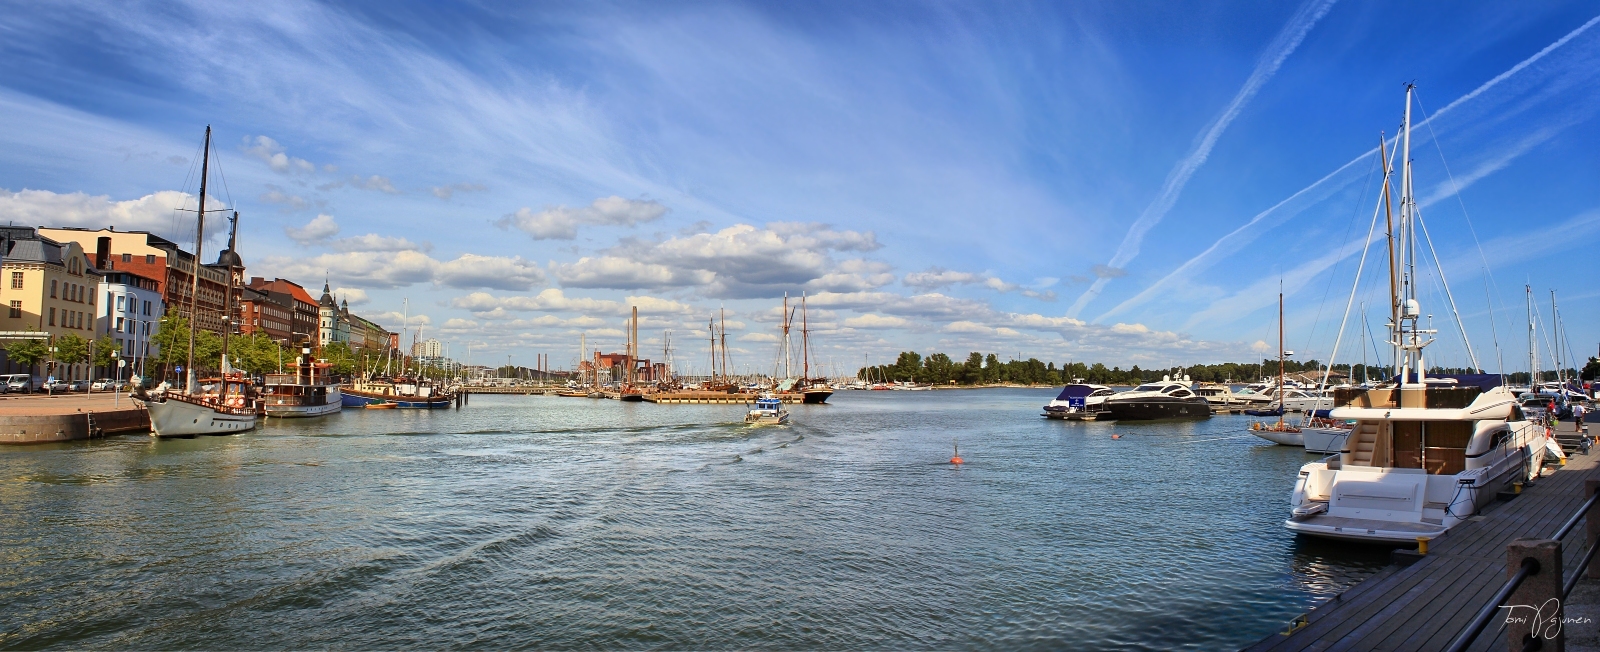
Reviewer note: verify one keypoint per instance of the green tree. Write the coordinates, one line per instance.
(28, 352)
(338, 354)
(172, 338)
(71, 349)
(106, 352)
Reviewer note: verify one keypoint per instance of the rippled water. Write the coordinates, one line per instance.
(558, 522)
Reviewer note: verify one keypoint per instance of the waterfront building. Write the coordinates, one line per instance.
(305, 315)
(333, 322)
(130, 313)
(47, 286)
(157, 258)
(428, 348)
(367, 335)
(267, 314)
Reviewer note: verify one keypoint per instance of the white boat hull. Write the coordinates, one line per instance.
(1281, 438)
(302, 411)
(171, 418)
(1324, 440)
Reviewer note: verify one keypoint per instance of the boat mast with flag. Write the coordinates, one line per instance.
(223, 407)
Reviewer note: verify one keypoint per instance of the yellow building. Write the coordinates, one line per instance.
(47, 286)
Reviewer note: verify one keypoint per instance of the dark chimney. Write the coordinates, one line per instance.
(102, 252)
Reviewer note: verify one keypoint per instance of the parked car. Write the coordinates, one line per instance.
(79, 386)
(57, 387)
(19, 382)
(108, 384)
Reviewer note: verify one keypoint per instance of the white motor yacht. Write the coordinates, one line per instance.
(1079, 401)
(1424, 454)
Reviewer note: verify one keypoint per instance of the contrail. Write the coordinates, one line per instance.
(1205, 258)
(1280, 48)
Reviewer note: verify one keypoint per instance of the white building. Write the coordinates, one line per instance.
(428, 348)
(130, 315)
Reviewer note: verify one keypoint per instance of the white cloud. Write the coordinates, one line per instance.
(624, 273)
(354, 296)
(870, 320)
(498, 272)
(394, 320)
(554, 300)
(374, 182)
(740, 261)
(561, 223)
(319, 229)
(448, 191)
(269, 151)
(389, 269)
(937, 277)
(152, 212)
(291, 202)
(375, 242)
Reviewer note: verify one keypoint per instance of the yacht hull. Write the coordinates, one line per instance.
(358, 398)
(1324, 440)
(303, 411)
(173, 418)
(1149, 409)
(1281, 438)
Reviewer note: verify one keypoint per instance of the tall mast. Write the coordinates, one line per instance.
(1533, 346)
(583, 348)
(805, 338)
(1555, 331)
(1394, 290)
(1280, 357)
(194, 264)
(711, 327)
(228, 318)
(786, 319)
(633, 346)
(725, 342)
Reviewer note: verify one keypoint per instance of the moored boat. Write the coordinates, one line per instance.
(309, 392)
(1080, 401)
(1424, 453)
(1167, 399)
(405, 393)
(227, 407)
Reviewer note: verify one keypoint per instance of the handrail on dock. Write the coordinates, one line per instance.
(1530, 567)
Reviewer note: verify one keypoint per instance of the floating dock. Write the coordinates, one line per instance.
(1422, 602)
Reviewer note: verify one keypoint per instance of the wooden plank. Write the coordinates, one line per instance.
(1428, 603)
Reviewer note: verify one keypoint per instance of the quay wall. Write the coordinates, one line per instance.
(46, 428)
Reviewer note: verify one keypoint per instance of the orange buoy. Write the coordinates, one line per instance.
(957, 459)
(1116, 436)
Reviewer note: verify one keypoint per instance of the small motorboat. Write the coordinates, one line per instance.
(768, 412)
(381, 405)
(1278, 433)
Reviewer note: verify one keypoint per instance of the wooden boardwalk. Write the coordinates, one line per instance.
(1425, 605)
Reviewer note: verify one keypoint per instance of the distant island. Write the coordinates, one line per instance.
(980, 369)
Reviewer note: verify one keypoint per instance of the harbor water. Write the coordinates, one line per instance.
(529, 521)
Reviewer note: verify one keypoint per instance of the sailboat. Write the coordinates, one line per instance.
(1280, 432)
(227, 406)
(1426, 453)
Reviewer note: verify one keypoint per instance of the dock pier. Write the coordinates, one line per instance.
(1424, 601)
(40, 419)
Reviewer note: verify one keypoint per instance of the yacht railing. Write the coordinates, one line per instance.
(1530, 566)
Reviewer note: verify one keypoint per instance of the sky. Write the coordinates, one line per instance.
(1127, 183)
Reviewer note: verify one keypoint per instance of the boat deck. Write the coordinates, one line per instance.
(1426, 604)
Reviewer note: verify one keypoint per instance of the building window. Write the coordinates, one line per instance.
(16, 309)
(127, 258)
(52, 316)
(14, 283)
(147, 308)
(119, 301)
(149, 259)
(16, 280)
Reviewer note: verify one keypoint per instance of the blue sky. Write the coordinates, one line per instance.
(1117, 182)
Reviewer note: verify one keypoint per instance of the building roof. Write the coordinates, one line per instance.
(327, 298)
(39, 250)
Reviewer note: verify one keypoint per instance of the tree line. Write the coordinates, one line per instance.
(980, 369)
(255, 354)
